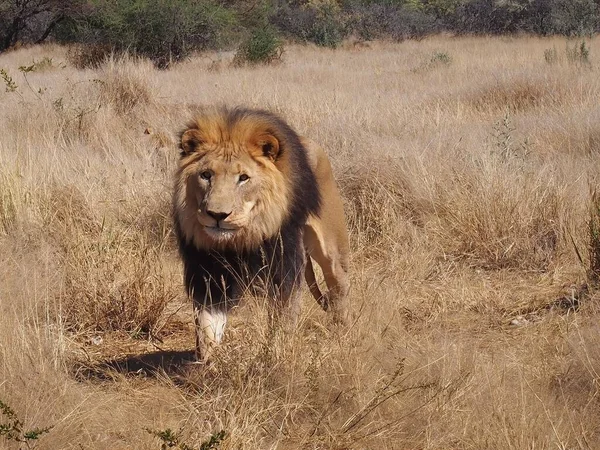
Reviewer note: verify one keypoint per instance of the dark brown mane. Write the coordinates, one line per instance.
(218, 274)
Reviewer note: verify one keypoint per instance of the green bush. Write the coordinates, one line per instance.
(578, 54)
(440, 58)
(574, 17)
(551, 55)
(26, 21)
(172, 439)
(88, 56)
(328, 28)
(324, 24)
(263, 46)
(169, 30)
(13, 429)
(165, 31)
(396, 21)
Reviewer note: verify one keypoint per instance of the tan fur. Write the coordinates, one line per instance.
(219, 145)
(326, 238)
(209, 201)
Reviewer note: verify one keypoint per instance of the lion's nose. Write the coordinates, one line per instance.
(218, 216)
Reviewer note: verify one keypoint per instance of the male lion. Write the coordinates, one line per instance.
(253, 203)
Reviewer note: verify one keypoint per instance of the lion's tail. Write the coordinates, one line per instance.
(311, 280)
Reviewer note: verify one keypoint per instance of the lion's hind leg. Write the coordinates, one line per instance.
(332, 257)
(313, 285)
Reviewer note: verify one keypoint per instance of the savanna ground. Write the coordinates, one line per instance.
(467, 167)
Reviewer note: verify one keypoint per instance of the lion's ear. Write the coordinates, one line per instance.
(269, 145)
(190, 141)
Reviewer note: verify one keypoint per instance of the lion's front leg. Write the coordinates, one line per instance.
(284, 312)
(286, 294)
(210, 328)
(212, 299)
(291, 306)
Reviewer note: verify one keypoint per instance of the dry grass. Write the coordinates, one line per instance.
(467, 184)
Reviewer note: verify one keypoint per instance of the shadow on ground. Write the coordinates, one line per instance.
(143, 365)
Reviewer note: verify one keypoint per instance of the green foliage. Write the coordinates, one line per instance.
(437, 59)
(13, 429)
(502, 133)
(10, 84)
(328, 27)
(165, 31)
(384, 20)
(578, 54)
(263, 46)
(214, 441)
(38, 66)
(551, 55)
(32, 21)
(439, 8)
(574, 17)
(442, 58)
(172, 439)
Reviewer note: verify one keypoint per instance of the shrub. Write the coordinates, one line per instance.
(483, 16)
(32, 21)
(88, 56)
(376, 21)
(114, 284)
(13, 429)
(124, 83)
(578, 54)
(263, 46)
(9, 83)
(322, 23)
(327, 30)
(551, 55)
(114, 278)
(165, 31)
(437, 59)
(172, 439)
(442, 58)
(574, 17)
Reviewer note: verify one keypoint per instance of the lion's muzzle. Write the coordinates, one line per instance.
(218, 216)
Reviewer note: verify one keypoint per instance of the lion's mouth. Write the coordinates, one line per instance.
(225, 229)
(220, 232)
(217, 226)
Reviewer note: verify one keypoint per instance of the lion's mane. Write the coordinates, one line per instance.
(271, 249)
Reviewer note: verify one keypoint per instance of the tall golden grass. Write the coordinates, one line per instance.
(468, 181)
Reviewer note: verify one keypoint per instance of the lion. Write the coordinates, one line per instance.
(253, 205)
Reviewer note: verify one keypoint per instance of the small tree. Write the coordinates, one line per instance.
(163, 30)
(262, 47)
(574, 17)
(13, 429)
(32, 20)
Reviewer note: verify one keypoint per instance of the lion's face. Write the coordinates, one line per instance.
(229, 192)
(226, 193)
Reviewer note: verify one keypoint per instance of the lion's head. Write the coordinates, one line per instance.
(234, 186)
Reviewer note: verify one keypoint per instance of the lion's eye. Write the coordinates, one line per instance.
(206, 175)
(243, 177)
